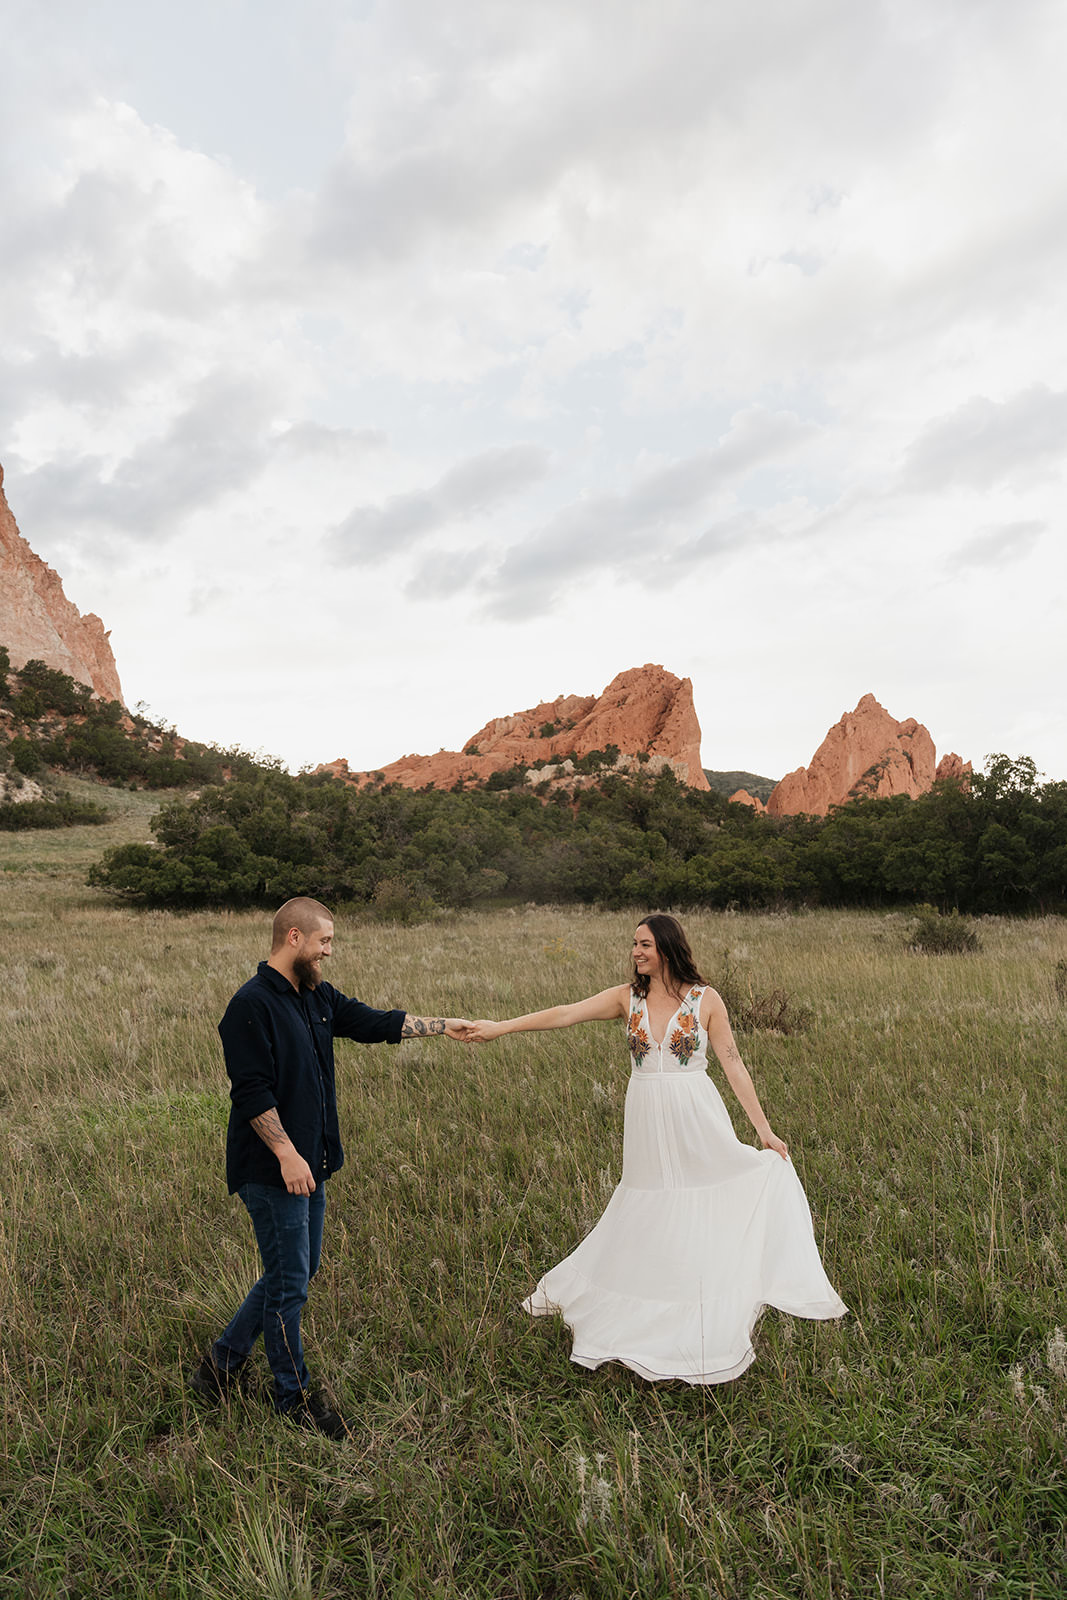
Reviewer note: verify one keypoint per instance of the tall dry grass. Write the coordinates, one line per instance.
(918, 1447)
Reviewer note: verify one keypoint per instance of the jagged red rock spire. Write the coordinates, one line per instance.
(866, 753)
(39, 623)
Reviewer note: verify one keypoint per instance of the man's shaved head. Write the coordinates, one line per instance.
(303, 914)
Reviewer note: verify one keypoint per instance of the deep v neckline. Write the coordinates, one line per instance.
(659, 1043)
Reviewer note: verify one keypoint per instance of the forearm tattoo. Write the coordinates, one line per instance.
(269, 1127)
(420, 1027)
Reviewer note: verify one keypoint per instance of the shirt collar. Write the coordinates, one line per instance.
(278, 982)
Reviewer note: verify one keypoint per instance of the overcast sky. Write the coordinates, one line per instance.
(376, 369)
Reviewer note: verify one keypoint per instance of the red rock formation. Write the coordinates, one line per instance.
(951, 766)
(646, 711)
(741, 797)
(867, 753)
(39, 623)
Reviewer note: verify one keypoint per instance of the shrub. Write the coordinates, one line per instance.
(938, 934)
(25, 756)
(749, 1012)
(15, 816)
(1059, 982)
(401, 900)
(51, 690)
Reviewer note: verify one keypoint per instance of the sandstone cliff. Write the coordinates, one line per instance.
(39, 623)
(643, 712)
(867, 753)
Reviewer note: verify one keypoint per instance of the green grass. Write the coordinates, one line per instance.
(915, 1448)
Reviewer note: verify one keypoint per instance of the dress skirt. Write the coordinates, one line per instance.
(700, 1235)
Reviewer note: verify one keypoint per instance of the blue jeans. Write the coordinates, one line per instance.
(289, 1234)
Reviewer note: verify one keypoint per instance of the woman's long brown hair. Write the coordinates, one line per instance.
(673, 946)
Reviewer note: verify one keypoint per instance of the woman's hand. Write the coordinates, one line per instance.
(771, 1141)
(482, 1032)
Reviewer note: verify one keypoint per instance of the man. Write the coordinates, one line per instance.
(283, 1143)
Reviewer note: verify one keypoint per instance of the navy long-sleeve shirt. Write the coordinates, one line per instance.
(278, 1045)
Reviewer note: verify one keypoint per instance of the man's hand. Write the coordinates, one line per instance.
(296, 1174)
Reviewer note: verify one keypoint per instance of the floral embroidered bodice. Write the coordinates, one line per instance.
(684, 1046)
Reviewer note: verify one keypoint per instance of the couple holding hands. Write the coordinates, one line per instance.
(700, 1235)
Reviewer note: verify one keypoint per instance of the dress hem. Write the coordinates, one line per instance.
(727, 1372)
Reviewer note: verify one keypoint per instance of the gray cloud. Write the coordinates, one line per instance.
(95, 380)
(215, 446)
(652, 520)
(335, 444)
(373, 533)
(444, 573)
(984, 442)
(997, 547)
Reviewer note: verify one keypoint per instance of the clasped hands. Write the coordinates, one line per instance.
(472, 1032)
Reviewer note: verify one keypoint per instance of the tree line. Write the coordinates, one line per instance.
(995, 843)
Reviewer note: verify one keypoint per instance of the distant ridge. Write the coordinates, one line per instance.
(728, 783)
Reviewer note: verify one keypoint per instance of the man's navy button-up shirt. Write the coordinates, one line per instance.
(278, 1045)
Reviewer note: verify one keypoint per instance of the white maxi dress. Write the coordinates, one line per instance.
(701, 1234)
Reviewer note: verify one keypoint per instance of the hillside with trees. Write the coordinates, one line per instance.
(51, 726)
(237, 830)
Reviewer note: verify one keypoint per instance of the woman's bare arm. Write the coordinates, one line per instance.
(721, 1038)
(602, 1007)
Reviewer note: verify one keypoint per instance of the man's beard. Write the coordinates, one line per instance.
(307, 974)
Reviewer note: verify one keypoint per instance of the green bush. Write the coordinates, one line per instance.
(25, 756)
(939, 934)
(401, 900)
(52, 690)
(60, 813)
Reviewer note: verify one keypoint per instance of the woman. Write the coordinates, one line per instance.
(703, 1231)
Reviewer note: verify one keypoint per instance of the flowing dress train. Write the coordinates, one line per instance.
(700, 1235)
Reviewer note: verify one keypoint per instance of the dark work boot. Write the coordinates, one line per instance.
(314, 1411)
(210, 1383)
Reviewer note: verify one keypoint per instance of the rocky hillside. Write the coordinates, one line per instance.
(644, 716)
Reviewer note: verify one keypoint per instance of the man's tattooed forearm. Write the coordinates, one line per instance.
(419, 1027)
(269, 1127)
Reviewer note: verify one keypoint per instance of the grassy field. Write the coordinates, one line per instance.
(915, 1448)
